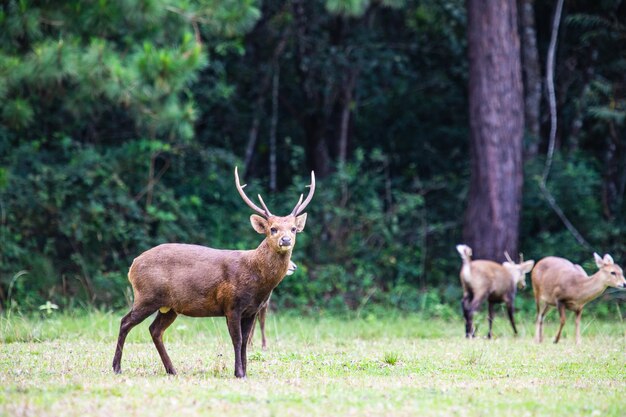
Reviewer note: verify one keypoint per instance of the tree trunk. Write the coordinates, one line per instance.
(496, 129)
(315, 122)
(532, 75)
(317, 155)
(273, 126)
(346, 110)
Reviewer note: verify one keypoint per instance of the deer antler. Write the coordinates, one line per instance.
(508, 257)
(264, 206)
(266, 213)
(299, 208)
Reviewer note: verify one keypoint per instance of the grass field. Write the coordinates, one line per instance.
(391, 365)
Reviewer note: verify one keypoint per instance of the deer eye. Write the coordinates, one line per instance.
(294, 230)
(273, 230)
(613, 273)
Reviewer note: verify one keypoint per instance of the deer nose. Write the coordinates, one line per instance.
(285, 241)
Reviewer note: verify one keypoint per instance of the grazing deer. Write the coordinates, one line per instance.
(487, 280)
(263, 312)
(198, 281)
(558, 282)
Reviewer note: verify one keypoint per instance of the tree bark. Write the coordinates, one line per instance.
(532, 75)
(496, 108)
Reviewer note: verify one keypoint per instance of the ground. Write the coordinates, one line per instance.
(386, 364)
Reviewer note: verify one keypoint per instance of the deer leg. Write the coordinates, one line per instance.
(473, 306)
(538, 322)
(579, 313)
(465, 304)
(561, 308)
(510, 310)
(262, 314)
(234, 328)
(247, 324)
(135, 316)
(251, 337)
(490, 317)
(158, 326)
(541, 314)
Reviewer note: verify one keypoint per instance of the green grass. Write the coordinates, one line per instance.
(391, 365)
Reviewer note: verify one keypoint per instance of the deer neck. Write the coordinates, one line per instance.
(271, 265)
(591, 288)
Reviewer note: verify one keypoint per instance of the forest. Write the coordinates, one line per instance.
(428, 124)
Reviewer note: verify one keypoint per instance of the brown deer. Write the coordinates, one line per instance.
(558, 282)
(487, 280)
(198, 281)
(263, 312)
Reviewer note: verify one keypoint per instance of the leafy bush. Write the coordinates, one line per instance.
(76, 216)
(360, 239)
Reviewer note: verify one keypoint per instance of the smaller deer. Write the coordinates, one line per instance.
(263, 312)
(558, 282)
(487, 280)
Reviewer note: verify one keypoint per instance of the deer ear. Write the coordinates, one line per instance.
(599, 261)
(300, 222)
(259, 224)
(608, 259)
(528, 266)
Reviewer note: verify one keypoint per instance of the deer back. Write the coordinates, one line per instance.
(552, 275)
(488, 277)
(199, 281)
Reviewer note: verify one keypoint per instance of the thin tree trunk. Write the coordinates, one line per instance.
(314, 123)
(345, 116)
(550, 62)
(273, 125)
(253, 134)
(532, 75)
(496, 108)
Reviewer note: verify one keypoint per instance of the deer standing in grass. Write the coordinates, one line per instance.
(487, 280)
(198, 281)
(558, 282)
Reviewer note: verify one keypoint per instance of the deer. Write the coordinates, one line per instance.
(198, 281)
(558, 282)
(488, 280)
(263, 312)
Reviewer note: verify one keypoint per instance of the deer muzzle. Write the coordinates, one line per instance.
(284, 241)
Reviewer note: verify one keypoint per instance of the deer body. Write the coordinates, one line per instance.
(198, 281)
(487, 280)
(558, 282)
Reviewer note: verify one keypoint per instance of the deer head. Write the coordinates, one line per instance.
(280, 232)
(465, 251)
(518, 270)
(610, 271)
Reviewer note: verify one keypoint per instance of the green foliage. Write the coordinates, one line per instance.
(121, 122)
(354, 8)
(543, 231)
(359, 240)
(391, 358)
(73, 246)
